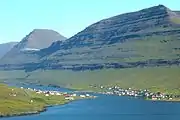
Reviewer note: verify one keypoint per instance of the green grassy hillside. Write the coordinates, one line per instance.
(147, 48)
(15, 101)
(165, 79)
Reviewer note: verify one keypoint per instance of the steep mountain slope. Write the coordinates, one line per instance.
(148, 36)
(25, 50)
(6, 47)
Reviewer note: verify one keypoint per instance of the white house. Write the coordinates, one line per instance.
(69, 98)
(82, 96)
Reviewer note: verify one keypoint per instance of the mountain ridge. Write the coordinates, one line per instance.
(89, 28)
(116, 40)
(150, 23)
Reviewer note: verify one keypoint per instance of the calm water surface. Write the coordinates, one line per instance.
(109, 108)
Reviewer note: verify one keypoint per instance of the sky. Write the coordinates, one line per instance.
(68, 17)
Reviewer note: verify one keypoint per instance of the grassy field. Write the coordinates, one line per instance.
(16, 101)
(175, 20)
(165, 79)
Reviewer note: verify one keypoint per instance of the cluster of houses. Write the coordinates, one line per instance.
(68, 96)
(146, 94)
(115, 90)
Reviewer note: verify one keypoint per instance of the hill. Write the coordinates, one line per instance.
(24, 51)
(5, 47)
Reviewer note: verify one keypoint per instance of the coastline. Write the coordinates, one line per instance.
(44, 109)
(24, 113)
(24, 102)
(45, 106)
(164, 100)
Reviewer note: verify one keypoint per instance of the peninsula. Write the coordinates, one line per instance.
(21, 101)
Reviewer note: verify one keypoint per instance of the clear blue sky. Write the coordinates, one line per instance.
(19, 17)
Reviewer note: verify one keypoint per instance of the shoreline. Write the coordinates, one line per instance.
(45, 108)
(25, 113)
(39, 111)
(163, 100)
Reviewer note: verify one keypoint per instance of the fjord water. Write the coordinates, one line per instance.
(109, 108)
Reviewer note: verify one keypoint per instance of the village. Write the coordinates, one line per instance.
(115, 90)
(144, 94)
(68, 95)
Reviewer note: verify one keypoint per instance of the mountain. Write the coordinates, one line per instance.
(5, 47)
(147, 37)
(138, 50)
(40, 38)
(24, 51)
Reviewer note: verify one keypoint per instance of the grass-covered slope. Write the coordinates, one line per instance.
(15, 101)
(143, 49)
(165, 79)
(155, 77)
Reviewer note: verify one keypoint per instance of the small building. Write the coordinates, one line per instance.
(58, 94)
(52, 93)
(82, 96)
(154, 97)
(69, 98)
(74, 95)
(66, 95)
